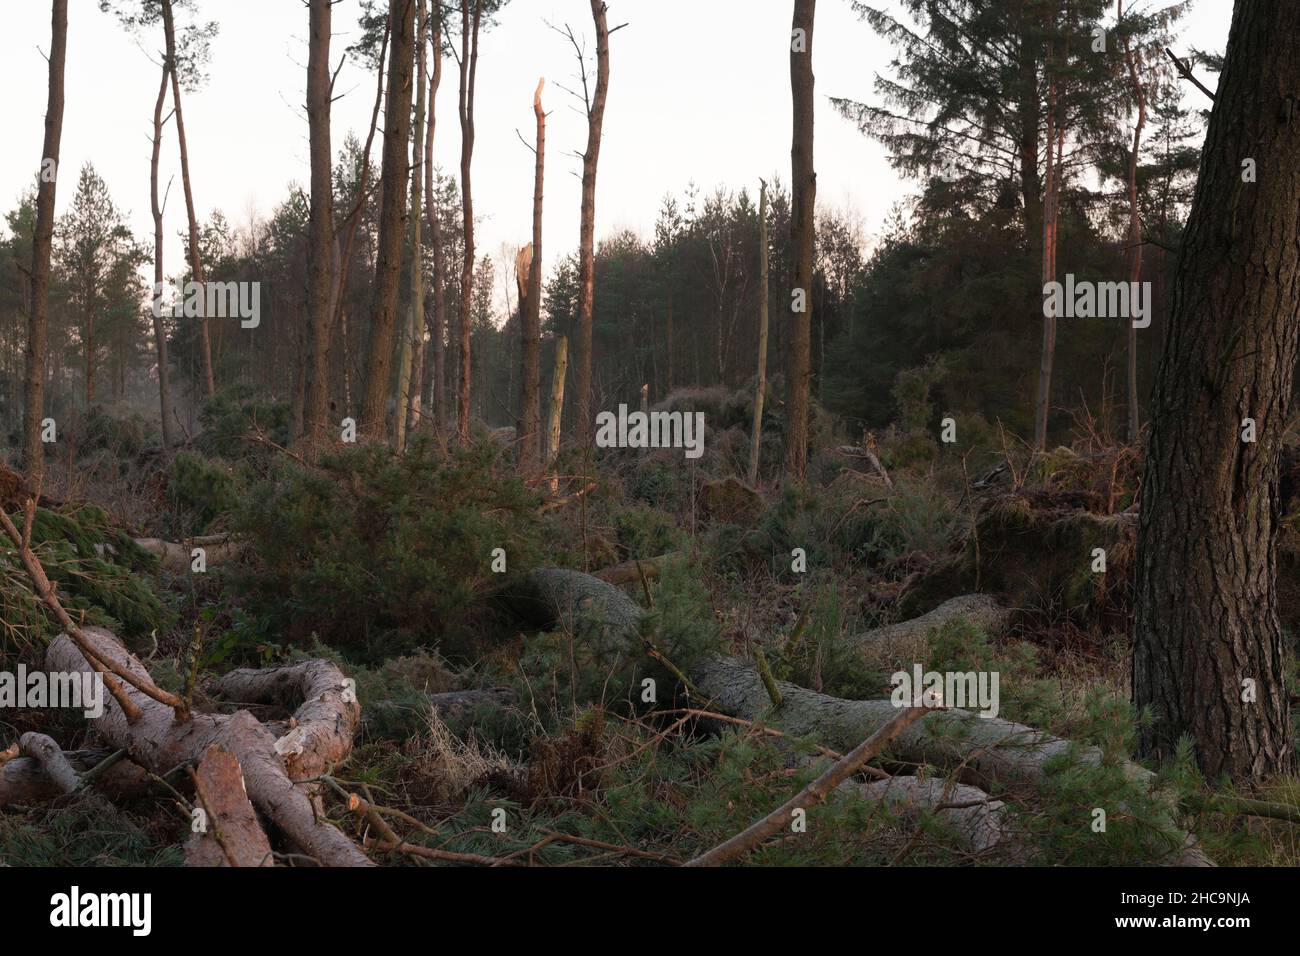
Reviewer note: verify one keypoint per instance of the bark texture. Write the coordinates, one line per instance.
(392, 212)
(38, 310)
(320, 230)
(1207, 613)
(157, 742)
(803, 186)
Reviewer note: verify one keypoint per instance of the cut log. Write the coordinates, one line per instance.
(232, 835)
(630, 572)
(177, 558)
(160, 744)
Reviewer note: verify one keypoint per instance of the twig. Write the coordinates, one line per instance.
(1186, 72)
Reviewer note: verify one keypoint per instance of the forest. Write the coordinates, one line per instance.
(953, 523)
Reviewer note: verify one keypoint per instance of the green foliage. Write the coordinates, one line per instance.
(645, 532)
(200, 491)
(234, 415)
(379, 555)
(95, 567)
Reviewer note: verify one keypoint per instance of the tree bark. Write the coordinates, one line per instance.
(38, 311)
(196, 263)
(157, 742)
(468, 75)
(803, 184)
(159, 275)
(320, 236)
(392, 212)
(530, 312)
(1207, 613)
(1134, 227)
(407, 375)
(438, 332)
(760, 387)
(557, 401)
(587, 225)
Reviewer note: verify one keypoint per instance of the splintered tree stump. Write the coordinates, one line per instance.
(157, 742)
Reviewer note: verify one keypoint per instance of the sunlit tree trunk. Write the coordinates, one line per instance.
(803, 184)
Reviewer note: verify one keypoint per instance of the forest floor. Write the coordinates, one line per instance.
(707, 672)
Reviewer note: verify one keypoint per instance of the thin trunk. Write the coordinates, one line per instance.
(468, 75)
(587, 229)
(196, 264)
(557, 402)
(1042, 406)
(530, 311)
(438, 332)
(1210, 659)
(1135, 227)
(38, 314)
(321, 241)
(407, 374)
(761, 385)
(803, 185)
(392, 212)
(159, 277)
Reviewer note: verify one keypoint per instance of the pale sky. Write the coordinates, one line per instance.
(699, 91)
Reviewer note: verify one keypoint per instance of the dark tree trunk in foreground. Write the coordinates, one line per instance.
(1207, 618)
(392, 213)
(530, 311)
(38, 314)
(320, 244)
(803, 185)
(587, 227)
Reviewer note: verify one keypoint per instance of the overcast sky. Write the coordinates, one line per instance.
(699, 92)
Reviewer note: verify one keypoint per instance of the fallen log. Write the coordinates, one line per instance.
(231, 834)
(325, 718)
(908, 638)
(969, 812)
(24, 780)
(630, 572)
(178, 558)
(989, 750)
(160, 744)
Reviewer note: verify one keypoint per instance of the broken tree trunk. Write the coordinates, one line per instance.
(25, 780)
(160, 744)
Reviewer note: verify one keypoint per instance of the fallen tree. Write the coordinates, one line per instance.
(160, 744)
(986, 750)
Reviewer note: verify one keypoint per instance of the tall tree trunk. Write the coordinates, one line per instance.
(668, 340)
(438, 398)
(530, 311)
(587, 227)
(1134, 227)
(761, 385)
(468, 75)
(321, 240)
(38, 312)
(196, 263)
(420, 372)
(392, 212)
(159, 276)
(1043, 403)
(414, 333)
(1209, 656)
(803, 185)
